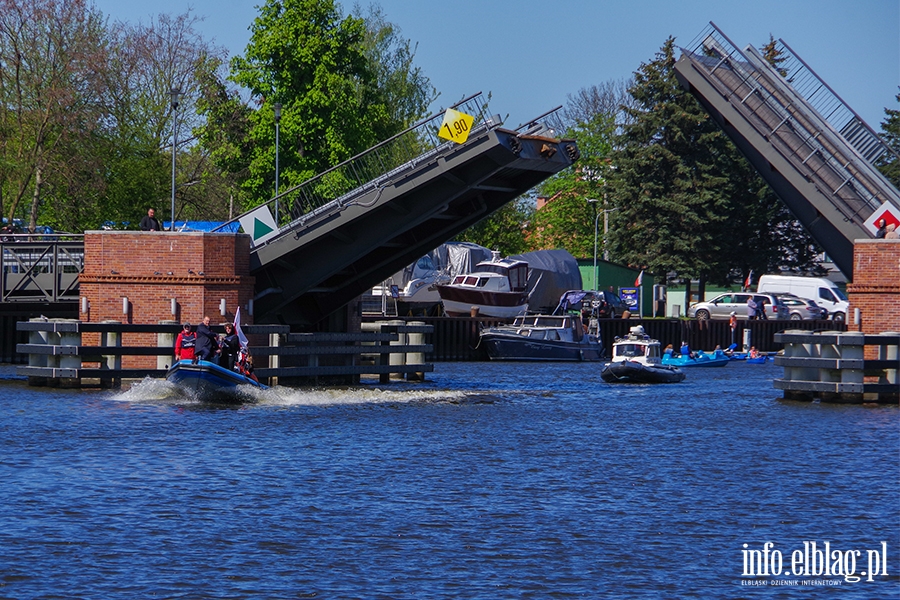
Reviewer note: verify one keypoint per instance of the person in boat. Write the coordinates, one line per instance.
(669, 351)
(229, 346)
(185, 342)
(207, 342)
(245, 364)
(685, 349)
(754, 353)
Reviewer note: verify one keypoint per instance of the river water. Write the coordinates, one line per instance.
(487, 481)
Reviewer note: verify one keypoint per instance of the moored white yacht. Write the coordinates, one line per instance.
(494, 288)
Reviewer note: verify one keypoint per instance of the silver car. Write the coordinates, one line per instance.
(801, 309)
(723, 305)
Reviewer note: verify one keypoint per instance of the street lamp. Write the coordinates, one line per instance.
(277, 108)
(596, 221)
(175, 94)
(605, 212)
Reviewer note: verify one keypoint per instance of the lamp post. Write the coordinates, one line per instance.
(596, 221)
(606, 212)
(175, 94)
(277, 108)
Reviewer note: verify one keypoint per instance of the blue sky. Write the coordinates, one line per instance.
(531, 54)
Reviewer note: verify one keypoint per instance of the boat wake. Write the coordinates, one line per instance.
(161, 391)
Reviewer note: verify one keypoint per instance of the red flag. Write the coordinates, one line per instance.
(640, 279)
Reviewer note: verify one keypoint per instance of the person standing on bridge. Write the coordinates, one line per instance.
(150, 222)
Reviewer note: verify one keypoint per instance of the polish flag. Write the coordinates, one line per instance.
(640, 279)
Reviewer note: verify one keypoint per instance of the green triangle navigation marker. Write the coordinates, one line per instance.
(260, 229)
(260, 224)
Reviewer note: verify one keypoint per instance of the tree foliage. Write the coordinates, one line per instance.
(688, 203)
(504, 229)
(889, 164)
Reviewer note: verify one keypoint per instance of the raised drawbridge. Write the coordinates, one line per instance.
(319, 245)
(815, 152)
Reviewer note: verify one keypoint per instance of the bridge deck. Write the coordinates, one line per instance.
(826, 179)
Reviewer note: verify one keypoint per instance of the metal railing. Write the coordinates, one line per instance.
(344, 183)
(40, 268)
(364, 174)
(791, 119)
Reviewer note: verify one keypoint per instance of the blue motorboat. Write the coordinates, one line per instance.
(697, 359)
(208, 381)
(542, 338)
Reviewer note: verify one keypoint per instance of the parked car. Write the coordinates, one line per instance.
(723, 305)
(608, 304)
(825, 293)
(801, 309)
(611, 305)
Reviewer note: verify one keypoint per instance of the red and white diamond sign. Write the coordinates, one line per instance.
(888, 212)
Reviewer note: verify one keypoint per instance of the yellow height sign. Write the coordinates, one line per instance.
(456, 126)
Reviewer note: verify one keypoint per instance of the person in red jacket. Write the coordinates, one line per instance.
(185, 343)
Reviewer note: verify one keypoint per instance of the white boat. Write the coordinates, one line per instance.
(495, 288)
(413, 290)
(542, 338)
(636, 359)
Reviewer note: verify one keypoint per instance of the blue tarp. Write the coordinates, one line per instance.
(203, 226)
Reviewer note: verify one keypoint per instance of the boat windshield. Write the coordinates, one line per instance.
(629, 349)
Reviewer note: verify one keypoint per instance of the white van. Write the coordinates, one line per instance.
(824, 292)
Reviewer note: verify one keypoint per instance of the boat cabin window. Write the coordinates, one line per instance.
(629, 350)
(653, 351)
(491, 268)
(471, 280)
(483, 281)
(537, 334)
(552, 334)
(459, 279)
(550, 322)
(518, 277)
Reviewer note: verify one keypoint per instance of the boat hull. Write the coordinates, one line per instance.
(501, 346)
(459, 301)
(208, 381)
(629, 371)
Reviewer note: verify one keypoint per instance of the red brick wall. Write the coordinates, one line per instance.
(151, 268)
(875, 290)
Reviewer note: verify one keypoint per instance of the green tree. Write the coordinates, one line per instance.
(687, 202)
(889, 164)
(576, 195)
(303, 55)
(49, 51)
(504, 230)
(405, 89)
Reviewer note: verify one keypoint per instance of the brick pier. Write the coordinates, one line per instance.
(198, 270)
(875, 290)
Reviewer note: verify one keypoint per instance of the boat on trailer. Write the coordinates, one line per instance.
(209, 382)
(494, 288)
(636, 359)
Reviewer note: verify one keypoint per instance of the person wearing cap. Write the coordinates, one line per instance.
(185, 343)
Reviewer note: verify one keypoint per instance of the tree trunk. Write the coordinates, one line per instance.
(36, 198)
